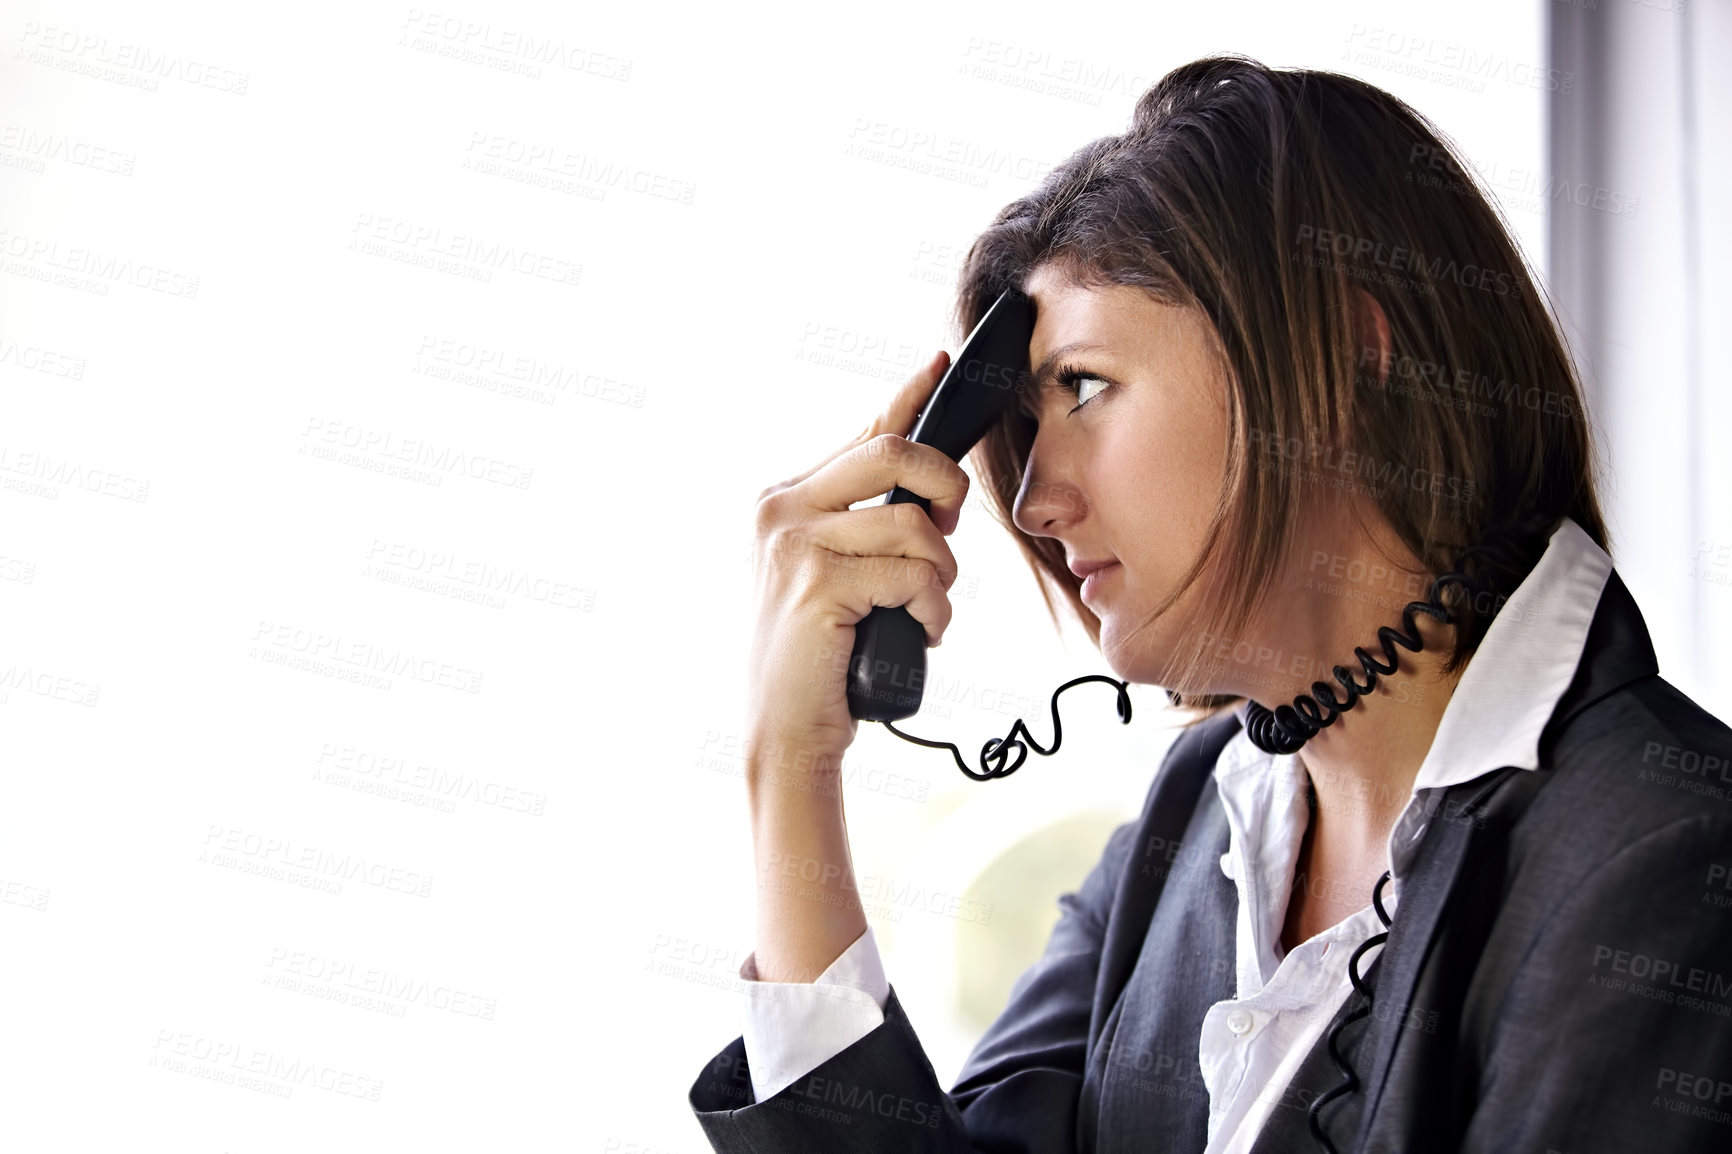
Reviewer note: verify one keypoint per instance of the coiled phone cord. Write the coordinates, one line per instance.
(1289, 727)
(996, 751)
(1349, 1079)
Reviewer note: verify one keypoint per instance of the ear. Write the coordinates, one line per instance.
(1371, 332)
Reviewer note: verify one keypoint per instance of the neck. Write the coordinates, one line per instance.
(1364, 764)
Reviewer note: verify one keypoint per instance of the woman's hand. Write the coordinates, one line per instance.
(822, 566)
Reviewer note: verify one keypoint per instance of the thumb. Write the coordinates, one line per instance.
(906, 404)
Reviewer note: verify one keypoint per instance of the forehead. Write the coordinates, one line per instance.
(1067, 311)
(1120, 330)
(1071, 319)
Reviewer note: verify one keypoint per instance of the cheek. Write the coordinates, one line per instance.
(1160, 498)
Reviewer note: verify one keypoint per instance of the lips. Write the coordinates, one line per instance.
(1093, 573)
(1084, 568)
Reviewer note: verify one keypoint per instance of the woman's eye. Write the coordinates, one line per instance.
(1085, 386)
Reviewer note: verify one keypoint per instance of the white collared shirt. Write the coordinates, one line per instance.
(1251, 1045)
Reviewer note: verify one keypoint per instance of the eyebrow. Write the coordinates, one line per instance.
(1044, 373)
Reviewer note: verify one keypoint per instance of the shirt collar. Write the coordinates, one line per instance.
(1527, 659)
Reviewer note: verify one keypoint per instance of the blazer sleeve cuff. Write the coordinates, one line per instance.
(791, 1028)
(880, 1093)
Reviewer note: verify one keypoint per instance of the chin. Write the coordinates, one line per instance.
(1127, 662)
(1152, 663)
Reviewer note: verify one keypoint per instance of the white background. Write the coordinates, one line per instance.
(747, 293)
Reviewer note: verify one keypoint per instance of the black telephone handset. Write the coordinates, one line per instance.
(887, 670)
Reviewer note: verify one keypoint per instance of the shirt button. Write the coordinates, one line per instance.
(1239, 1022)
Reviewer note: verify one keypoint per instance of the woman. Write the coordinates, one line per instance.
(1289, 376)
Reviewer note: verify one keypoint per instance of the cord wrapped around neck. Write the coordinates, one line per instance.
(1492, 568)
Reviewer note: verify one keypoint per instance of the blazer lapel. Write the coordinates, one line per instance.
(1424, 896)
(1617, 651)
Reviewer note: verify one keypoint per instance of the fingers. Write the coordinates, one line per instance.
(856, 559)
(886, 535)
(884, 462)
(911, 583)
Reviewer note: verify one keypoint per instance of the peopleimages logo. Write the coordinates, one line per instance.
(385, 445)
(285, 644)
(1377, 474)
(234, 1063)
(228, 847)
(1400, 260)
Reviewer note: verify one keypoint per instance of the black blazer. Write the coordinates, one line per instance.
(1558, 976)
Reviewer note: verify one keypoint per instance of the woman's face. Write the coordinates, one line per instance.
(1129, 476)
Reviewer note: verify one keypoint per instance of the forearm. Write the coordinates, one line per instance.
(808, 907)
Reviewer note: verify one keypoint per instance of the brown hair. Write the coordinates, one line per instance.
(1262, 197)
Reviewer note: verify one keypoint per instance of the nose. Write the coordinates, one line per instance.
(1048, 502)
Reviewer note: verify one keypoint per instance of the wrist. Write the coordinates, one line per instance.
(781, 765)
